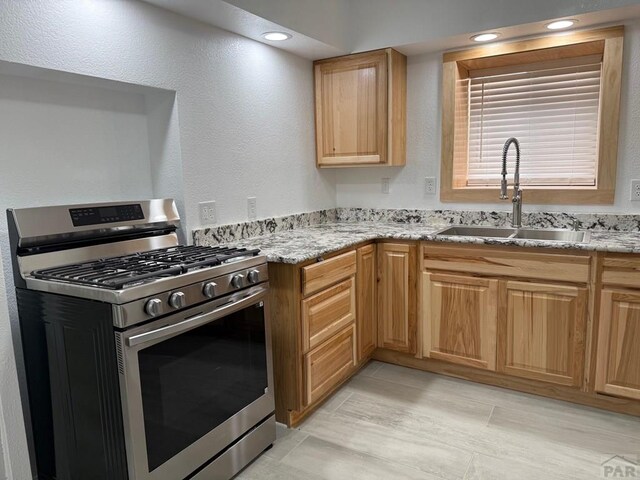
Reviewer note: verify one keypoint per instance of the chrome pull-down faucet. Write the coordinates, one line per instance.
(516, 200)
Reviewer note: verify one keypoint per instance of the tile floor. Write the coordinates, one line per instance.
(390, 422)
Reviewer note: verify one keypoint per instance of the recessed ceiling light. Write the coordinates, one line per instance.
(276, 36)
(560, 24)
(485, 37)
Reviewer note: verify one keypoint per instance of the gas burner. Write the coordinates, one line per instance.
(130, 270)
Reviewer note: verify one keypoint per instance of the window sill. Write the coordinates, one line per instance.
(531, 195)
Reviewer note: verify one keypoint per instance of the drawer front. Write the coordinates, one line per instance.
(330, 363)
(322, 274)
(623, 271)
(508, 263)
(327, 312)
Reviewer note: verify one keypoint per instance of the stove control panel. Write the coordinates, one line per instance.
(82, 217)
(187, 296)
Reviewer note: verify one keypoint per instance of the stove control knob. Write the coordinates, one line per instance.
(237, 281)
(153, 307)
(209, 289)
(253, 276)
(178, 300)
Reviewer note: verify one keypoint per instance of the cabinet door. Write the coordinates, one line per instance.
(541, 332)
(351, 110)
(397, 296)
(618, 360)
(366, 301)
(460, 319)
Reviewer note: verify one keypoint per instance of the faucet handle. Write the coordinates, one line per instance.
(575, 224)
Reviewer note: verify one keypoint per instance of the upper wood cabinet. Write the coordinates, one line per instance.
(366, 320)
(541, 331)
(618, 357)
(460, 319)
(361, 109)
(397, 309)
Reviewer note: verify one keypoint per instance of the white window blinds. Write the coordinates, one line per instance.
(554, 114)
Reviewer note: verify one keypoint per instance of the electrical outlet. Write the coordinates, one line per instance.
(207, 213)
(385, 186)
(251, 208)
(635, 190)
(429, 185)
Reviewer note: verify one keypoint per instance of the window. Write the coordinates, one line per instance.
(558, 95)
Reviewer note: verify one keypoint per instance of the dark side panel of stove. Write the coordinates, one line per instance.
(84, 402)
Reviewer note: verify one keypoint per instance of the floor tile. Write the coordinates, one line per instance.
(331, 461)
(397, 445)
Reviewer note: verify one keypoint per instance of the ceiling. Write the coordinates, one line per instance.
(326, 28)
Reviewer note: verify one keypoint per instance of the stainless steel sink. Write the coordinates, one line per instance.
(553, 235)
(464, 231)
(546, 234)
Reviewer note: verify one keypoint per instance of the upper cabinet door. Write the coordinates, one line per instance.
(360, 109)
(618, 361)
(541, 332)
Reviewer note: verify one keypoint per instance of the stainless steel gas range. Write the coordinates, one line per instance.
(145, 359)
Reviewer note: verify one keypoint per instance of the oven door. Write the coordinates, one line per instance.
(194, 382)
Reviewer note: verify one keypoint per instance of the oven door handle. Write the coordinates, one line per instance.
(198, 320)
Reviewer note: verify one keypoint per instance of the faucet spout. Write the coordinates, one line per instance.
(516, 218)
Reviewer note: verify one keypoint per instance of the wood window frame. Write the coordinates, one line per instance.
(455, 116)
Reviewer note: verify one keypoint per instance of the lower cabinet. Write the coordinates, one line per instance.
(541, 331)
(328, 364)
(526, 329)
(366, 320)
(323, 326)
(397, 309)
(460, 319)
(618, 355)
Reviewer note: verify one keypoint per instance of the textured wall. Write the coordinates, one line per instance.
(362, 187)
(245, 108)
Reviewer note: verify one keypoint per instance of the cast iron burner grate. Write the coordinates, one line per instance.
(130, 270)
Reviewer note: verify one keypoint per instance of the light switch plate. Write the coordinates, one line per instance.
(252, 212)
(208, 213)
(635, 190)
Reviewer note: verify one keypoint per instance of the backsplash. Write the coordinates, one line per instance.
(238, 231)
(589, 221)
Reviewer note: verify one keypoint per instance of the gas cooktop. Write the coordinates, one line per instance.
(135, 269)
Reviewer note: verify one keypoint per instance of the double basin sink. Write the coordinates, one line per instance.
(546, 234)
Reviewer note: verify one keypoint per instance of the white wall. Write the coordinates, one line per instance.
(246, 109)
(362, 187)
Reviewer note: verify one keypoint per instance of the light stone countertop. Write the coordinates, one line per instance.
(307, 243)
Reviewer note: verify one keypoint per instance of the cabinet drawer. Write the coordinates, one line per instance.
(322, 274)
(623, 271)
(328, 364)
(327, 312)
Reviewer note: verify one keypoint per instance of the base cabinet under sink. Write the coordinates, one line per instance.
(508, 315)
